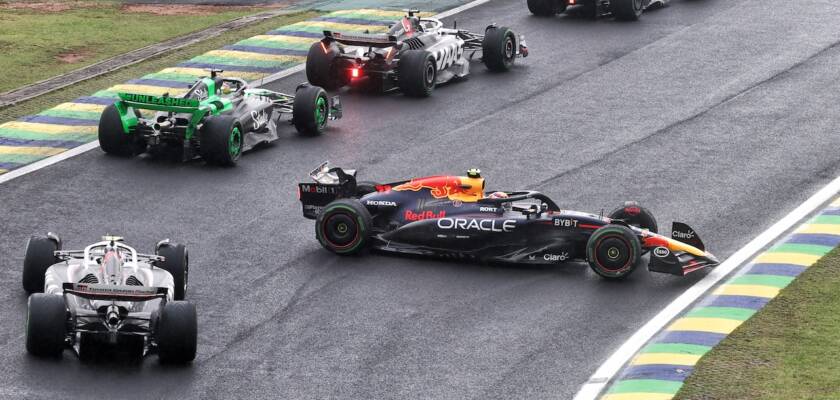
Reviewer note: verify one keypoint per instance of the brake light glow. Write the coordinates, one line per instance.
(325, 48)
(355, 72)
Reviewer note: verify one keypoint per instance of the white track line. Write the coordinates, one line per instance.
(271, 78)
(606, 372)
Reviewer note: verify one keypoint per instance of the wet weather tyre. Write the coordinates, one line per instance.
(417, 72)
(39, 256)
(613, 252)
(177, 333)
(627, 10)
(311, 110)
(46, 325)
(113, 139)
(177, 263)
(634, 214)
(498, 49)
(546, 8)
(222, 138)
(319, 67)
(343, 227)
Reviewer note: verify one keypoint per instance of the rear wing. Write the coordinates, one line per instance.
(361, 39)
(330, 183)
(92, 291)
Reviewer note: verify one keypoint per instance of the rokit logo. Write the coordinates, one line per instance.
(381, 203)
(488, 209)
(485, 225)
(683, 235)
(556, 257)
(661, 252)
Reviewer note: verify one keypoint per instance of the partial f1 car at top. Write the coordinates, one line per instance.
(217, 119)
(625, 10)
(108, 296)
(451, 216)
(414, 55)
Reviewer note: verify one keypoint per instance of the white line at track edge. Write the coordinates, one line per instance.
(16, 173)
(607, 371)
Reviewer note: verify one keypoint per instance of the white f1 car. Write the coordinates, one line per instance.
(108, 295)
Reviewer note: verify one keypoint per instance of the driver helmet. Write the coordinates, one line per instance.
(226, 88)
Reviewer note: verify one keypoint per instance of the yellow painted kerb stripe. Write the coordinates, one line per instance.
(255, 56)
(198, 72)
(383, 13)
(286, 39)
(341, 27)
(638, 396)
(146, 89)
(49, 128)
(3, 171)
(715, 325)
(748, 290)
(31, 151)
(80, 107)
(665, 358)
(825, 229)
(804, 260)
(836, 202)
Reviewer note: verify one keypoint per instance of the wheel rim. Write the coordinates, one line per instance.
(321, 111)
(613, 253)
(429, 76)
(235, 142)
(341, 230)
(509, 53)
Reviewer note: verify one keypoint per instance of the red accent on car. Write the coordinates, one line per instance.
(421, 215)
(654, 241)
(325, 48)
(383, 188)
(587, 226)
(355, 72)
(632, 210)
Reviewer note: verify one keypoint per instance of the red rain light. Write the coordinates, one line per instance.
(355, 72)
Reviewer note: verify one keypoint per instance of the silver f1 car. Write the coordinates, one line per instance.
(108, 295)
(414, 55)
(624, 10)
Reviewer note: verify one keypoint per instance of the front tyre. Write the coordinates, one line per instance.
(177, 333)
(40, 255)
(46, 325)
(113, 139)
(311, 110)
(177, 263)
(222, 138)
(343, 227)
(613, 252)
(627, 10)
(498, 49)
(635, 215)
(417, 73)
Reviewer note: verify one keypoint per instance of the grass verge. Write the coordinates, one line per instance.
(789, 350)
(40, 40)
(155, 64)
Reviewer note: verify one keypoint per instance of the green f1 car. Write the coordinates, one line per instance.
(217, 119)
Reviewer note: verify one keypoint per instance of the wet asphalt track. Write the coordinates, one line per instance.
(717, 113)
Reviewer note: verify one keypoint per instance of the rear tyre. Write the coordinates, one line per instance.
(319, 66)
(177, 333)
(344, 226)
(546, 8)
(627, 10)
(221, 140)
(498, 49)
(634, 214)
(113, 139)
(46, 325)
(311, 110)
(177, 263)
(613, 252)
(417, 73)
(39, 256)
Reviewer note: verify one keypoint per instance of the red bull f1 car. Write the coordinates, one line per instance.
(108, 296)
(625, 10)
(414, 55)
(452, 217)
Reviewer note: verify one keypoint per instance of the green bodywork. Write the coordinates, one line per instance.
(214, 104)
